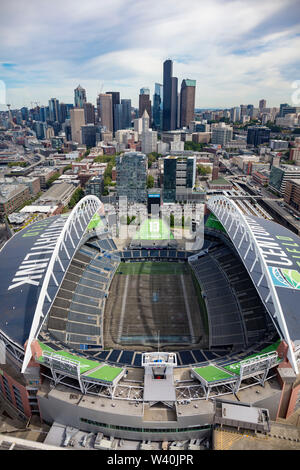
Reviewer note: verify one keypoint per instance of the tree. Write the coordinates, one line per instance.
(22, 164)
(66, 168)
(52, 179)
(76, 196)
(150, 181)
(203, 170)
(193, 146)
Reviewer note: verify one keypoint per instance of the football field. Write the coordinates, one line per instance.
(154, 229)
(148, 300)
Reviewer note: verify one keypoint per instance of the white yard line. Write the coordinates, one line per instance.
(187, 307)
(123, 308)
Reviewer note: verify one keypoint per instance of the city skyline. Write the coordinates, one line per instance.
(238, 52)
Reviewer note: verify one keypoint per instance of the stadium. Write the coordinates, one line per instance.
(138, 340)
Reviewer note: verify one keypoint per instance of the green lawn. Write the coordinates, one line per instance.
(154, 229)
(95, 222)
(213, 222)
(149, 267)
(212, 373)
(85, 364)
(105, 373)
(237, 365)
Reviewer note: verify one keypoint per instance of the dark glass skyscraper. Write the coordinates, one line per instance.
(79, 97)
(169, 97)
(126, 113)
(258, 135)
(115, 100)
(158, 106)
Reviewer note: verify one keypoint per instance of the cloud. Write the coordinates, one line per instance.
(237, 50)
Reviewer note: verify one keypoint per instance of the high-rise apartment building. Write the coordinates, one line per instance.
(221, 134)
(187, 102)
(105, 110)
(131, 171)
(169, 97)
(79, 97)
(179, 177)
(77, 120)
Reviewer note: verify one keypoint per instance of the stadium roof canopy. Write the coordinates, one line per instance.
(271, 255)
(32, 266)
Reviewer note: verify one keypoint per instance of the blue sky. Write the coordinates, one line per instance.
(238, 51)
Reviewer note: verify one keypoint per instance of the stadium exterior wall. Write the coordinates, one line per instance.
(76, 415)
(294, 401)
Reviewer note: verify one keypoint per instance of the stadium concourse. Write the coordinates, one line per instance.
(133, 340)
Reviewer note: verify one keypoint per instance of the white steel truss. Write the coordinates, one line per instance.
(241, 235)
(65, 248)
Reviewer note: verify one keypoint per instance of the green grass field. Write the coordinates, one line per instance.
(105, 373)
(235, 368)
(213, 222)
(154, 229)
(149, 267)
(212, 373)
(95, 222)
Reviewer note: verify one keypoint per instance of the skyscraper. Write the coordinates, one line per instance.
(262, 105)
(79, 97)
(145, 103)
(62, 113)
(115, 100)
(131, 168)
(158, 106)
(89, 113)
(118, 118)
(179, 177)
(77, 120)
(105, 110)
(169, 97)
(54, 110)
(126, 113)
(187, 102)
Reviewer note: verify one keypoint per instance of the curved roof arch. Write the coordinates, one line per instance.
(271, 255)
(65, 247)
